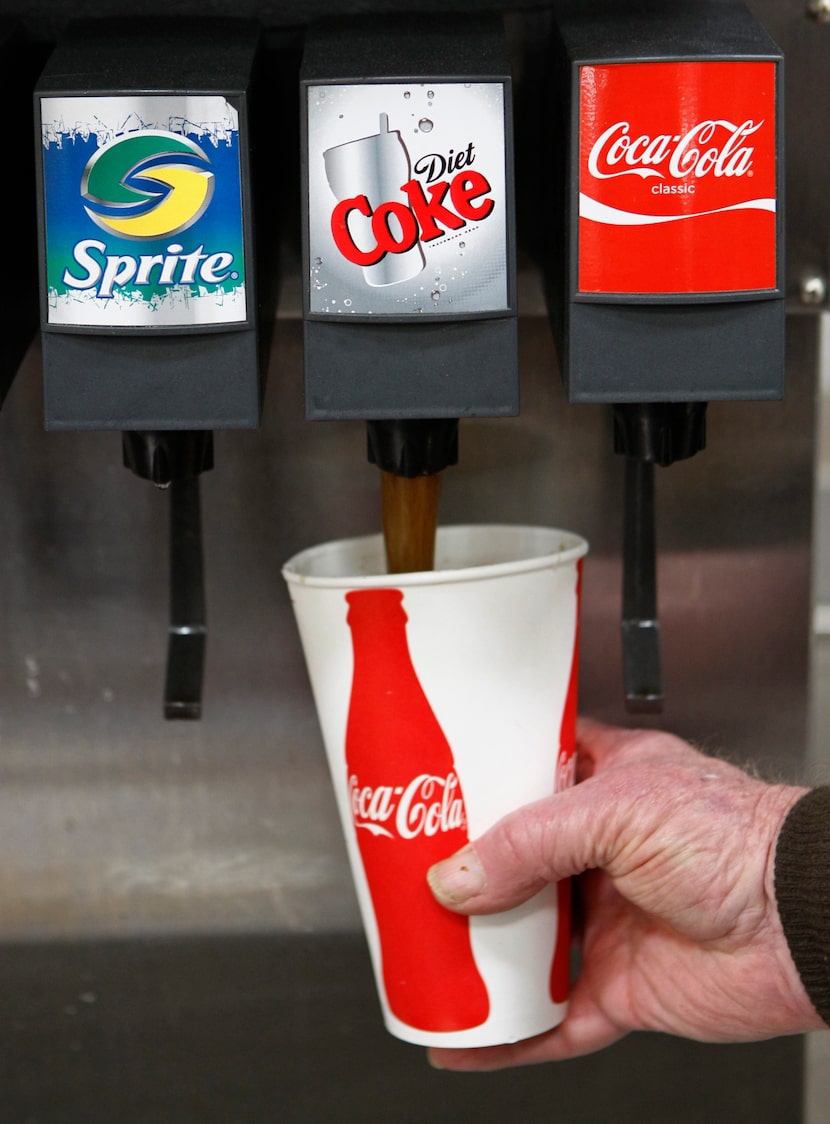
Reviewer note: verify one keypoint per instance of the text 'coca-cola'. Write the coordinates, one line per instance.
(426, 806)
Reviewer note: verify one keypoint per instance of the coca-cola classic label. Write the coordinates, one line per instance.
(677, 178)
(407, 199)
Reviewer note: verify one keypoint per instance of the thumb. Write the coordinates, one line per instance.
(539, 843)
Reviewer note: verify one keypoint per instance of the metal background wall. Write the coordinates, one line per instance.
(178, 936)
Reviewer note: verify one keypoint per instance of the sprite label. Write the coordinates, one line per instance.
(143, 212)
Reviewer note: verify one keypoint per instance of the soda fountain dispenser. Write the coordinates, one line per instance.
(409, 261)
(149, 310)
(665, 274)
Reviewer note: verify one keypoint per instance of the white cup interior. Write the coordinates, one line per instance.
(462, 553)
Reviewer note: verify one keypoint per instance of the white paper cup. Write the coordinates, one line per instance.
(446, 699)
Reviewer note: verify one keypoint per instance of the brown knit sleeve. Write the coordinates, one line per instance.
(802, 890)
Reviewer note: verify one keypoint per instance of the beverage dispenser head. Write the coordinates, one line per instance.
(148, 293)
(409, 299)
(149, 298)
(668, 283)
(665, 275)
(408, 246)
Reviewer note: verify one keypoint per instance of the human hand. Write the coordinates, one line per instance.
(680, 929)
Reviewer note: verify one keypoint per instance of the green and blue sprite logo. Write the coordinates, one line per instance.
(143, 223)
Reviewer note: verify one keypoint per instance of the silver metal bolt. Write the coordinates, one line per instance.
(813, 289)
(819, 10)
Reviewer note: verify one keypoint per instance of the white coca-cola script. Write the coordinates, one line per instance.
(426, 806)
(715, 147)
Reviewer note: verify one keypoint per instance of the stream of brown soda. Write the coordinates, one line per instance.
(409, 507)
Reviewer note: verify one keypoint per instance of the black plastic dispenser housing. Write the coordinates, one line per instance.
(665, 266)
(408, 231)
(149, 299)
(19, 310)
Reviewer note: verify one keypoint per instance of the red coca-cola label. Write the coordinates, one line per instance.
(426, 806)
(408, 812)
(677, 178)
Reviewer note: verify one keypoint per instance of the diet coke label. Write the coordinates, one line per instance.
(677, 178)
(426, 806)
(407, 199)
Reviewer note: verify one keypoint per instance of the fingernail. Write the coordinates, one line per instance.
(457, 879)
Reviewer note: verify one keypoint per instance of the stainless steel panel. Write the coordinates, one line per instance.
(802, 30)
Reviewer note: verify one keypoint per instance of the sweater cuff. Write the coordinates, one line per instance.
(802, 891)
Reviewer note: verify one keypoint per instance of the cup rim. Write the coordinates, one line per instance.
(572, 546)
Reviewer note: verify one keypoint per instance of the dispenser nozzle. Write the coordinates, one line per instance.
(642, 672)
(165, 455)
(647, 433)
(175, 459)
(413, 446)
(187, 633)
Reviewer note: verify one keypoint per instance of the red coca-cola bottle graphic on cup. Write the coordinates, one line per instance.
(408, 812)
(560, 973)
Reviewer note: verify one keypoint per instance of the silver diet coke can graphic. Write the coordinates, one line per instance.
(407, 204)
(374, 168)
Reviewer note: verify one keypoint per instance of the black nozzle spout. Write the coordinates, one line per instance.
(175, 459)
(642, 671)
(413, 446)
(647, 433)
(165, 455)
(660, 432)
(187, 632)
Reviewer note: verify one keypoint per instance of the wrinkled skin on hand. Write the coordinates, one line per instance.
(680, 931)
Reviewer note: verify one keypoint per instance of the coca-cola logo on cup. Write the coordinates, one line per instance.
(677, 178)
(407, 199)
(426, 806)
